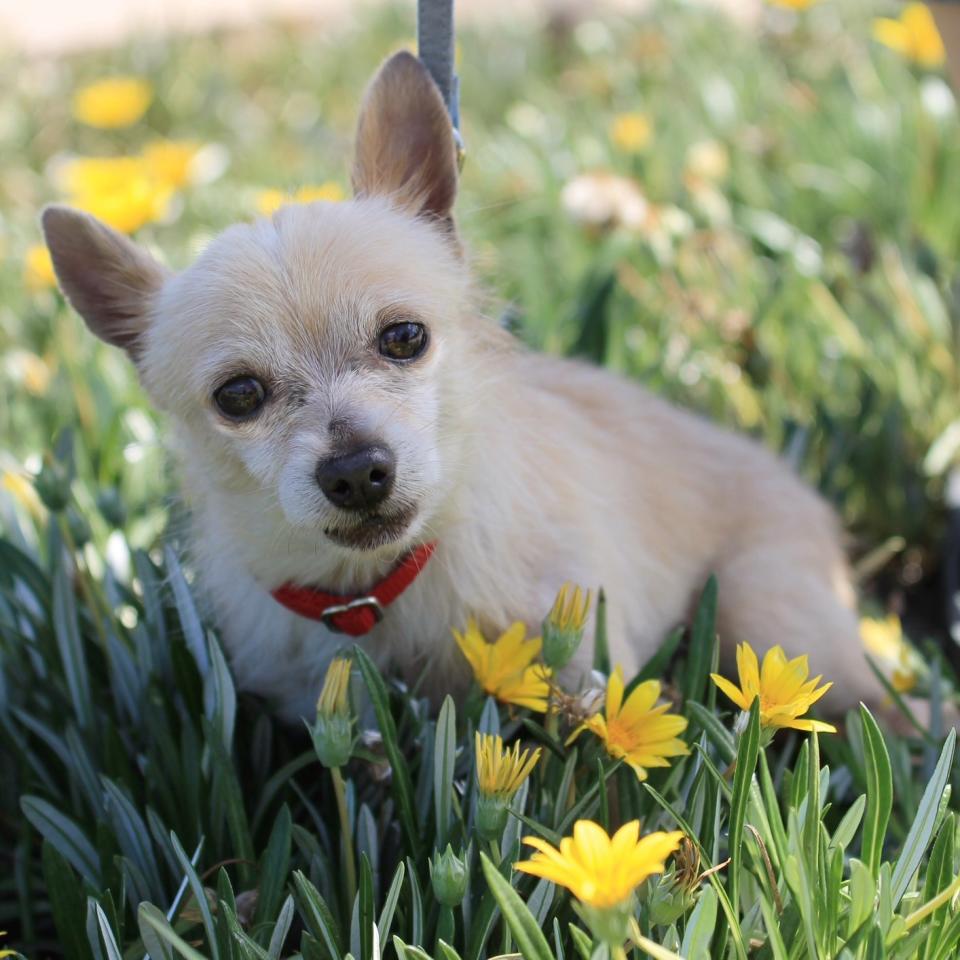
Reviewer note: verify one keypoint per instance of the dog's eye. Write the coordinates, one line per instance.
(403, 341)
(240, 397)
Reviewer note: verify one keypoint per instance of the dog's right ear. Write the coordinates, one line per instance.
(405, 147)
(106, 277)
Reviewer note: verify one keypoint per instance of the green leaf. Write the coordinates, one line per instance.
(274, 868)
(65, 835)
(281, 928)
(148, 916)
(849, 823)
(747, 752)
(190, 622)
(390, 903)
(199, 895)
(444, 757)
(879, 793)
(530, 939)
(703, 636)
(601, 649)
(700, 926)
(918, 839)
(317, 915)
(106, 932)
(70, 645)
(402, 787)
(67, 903)
(366, 909)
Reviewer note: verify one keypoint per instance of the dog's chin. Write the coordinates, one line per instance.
(372, 531)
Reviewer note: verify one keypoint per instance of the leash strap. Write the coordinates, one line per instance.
(355, 614)
(437, 50)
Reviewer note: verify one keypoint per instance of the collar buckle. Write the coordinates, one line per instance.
(329, 615)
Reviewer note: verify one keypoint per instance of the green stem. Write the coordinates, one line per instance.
(350, 867)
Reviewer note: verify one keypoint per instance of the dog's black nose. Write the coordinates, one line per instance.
(358, 480)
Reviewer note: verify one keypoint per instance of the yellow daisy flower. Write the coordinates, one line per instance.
(638, 731)
(121, 191)
(599, 870)
(783, 688)
(113, 102)
(631, 132)
(170, 161)
(884, 640)
(501, 772)
(268, 202)
(336, 686)
(913, 35)
(505, 668)
(38, 269)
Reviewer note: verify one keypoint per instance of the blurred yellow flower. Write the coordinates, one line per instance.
(121, 191)
(113, 102)
(631, 132)
(502, 772)
(131, 206)
(505, 668)
(884, 640)
(638, 731)
(170, 161)
(914, 35)
(599, 870)
(792, 4)
(270, 201)
(38, 268)
(782, 686)
(23, 491)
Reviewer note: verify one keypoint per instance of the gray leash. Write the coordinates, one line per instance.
(436, 48)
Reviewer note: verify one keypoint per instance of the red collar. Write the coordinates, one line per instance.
(355, 614)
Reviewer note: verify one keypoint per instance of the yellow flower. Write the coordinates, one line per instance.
(638, 731)
(914, 35)
(6, 953)
(24, 492)
(121, 191)
(599, 870)
(792, 4)
(883, 639)
(631, 132)
(782, 686)
(505, 669)
(570, 608)
(502, 772)
(170, 161)
(336, 686)
(113, 102)
(270, 201)
(38, 268)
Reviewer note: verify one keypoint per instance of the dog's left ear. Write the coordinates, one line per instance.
(405, 147)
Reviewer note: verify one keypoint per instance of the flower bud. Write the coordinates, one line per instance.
(491, 815)
(333, 740)
(78, 527)
(448, 874)
(563, 627)
(53, 485)
(111, 507)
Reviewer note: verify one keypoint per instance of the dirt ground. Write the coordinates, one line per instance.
(54, 26)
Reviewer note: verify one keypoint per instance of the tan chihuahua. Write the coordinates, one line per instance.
(364, 453)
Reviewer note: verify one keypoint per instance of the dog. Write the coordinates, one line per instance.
(362, 451)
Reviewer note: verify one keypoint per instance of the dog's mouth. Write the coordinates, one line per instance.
(372, 530)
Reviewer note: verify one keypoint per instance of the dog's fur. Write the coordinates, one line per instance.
(527, 470)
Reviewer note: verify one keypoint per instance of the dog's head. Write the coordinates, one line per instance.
(308, 360)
